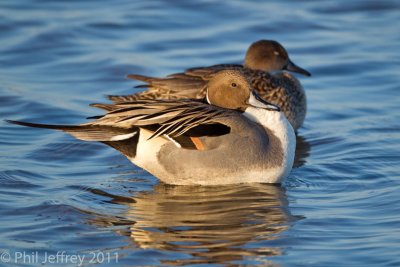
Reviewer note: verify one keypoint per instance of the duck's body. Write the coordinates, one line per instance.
(262, 61)
(238, 140)
(251, 152)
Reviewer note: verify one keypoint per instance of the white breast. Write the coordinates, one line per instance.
(277, 123)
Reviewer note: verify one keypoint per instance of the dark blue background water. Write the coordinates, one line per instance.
(339, 207)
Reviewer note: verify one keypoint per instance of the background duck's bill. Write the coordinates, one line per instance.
(293, 67)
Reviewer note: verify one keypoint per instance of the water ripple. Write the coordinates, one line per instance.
(58, 193)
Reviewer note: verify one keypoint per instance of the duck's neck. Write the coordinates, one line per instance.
(276, 123)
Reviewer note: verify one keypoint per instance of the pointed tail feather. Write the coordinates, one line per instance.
(87, 132)
(44, 126)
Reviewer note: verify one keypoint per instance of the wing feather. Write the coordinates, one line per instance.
(161, 117)
(168, 117)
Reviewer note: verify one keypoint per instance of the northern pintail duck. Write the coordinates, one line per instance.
(235, 139)
(263, 64)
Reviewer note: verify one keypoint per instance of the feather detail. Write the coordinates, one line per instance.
(161, 117)
(86, 132)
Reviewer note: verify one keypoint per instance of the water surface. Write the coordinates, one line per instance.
(339, 206)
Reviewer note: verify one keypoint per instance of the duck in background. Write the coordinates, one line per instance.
(264, 64)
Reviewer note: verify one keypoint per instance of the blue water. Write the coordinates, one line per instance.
(339, 207)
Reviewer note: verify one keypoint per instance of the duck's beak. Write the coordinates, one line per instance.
(293, 67)
(256, 101)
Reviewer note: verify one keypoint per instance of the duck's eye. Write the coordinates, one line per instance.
(233, 84)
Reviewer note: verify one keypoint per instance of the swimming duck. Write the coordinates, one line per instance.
(229, 140)
(263, 64)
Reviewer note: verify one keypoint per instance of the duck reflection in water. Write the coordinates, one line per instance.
(219, 224)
